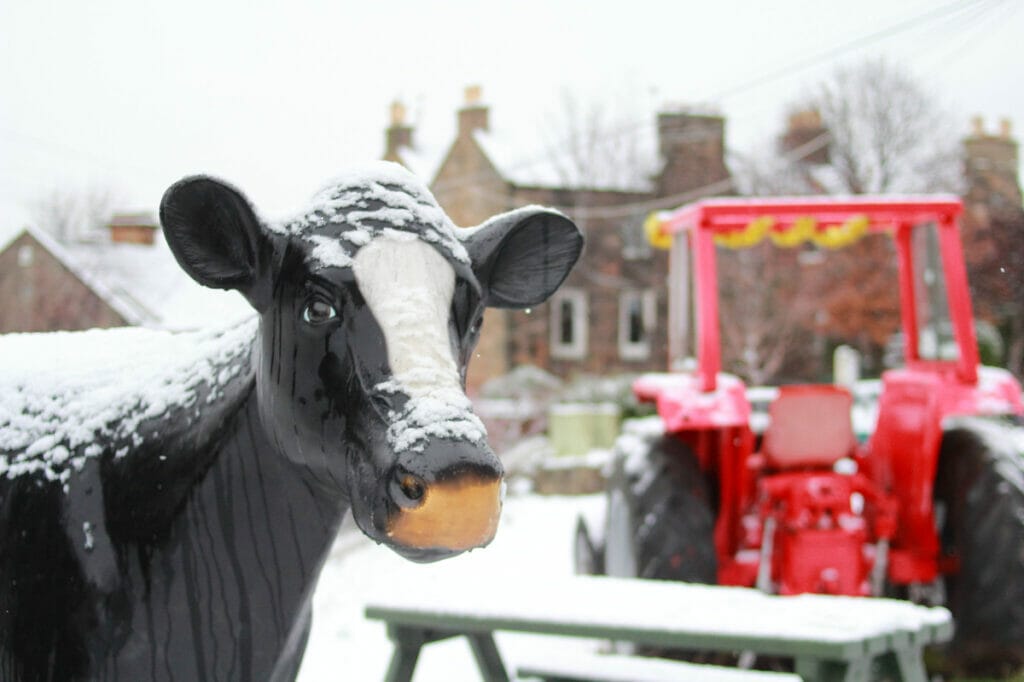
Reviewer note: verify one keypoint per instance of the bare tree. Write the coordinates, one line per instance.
(763, 310)
(57, 213)
(69, 215)
(884, 133)
(598, 144)
(887, 133)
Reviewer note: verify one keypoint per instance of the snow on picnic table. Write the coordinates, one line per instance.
(533, 545)
(530, 556)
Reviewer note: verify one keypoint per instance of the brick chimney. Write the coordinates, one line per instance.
(692, 147)
(804, 137)
(990, 165)
(398, 134)
(991, 153)
(473, 115)
(132, 228)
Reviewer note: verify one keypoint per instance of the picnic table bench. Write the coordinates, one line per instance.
(828, 637)
(603, 667)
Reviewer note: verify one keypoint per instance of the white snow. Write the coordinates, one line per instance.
(524, 572)
(89, 539)
(370, 199)
(330, 252)
(533, 545)
(635, 441)
(606, 602)
(145, 284)
(63, 393)
(422, 160)
(509, 216)
(408, 286)
(594, 168)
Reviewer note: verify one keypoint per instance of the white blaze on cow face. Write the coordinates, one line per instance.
(408, 287)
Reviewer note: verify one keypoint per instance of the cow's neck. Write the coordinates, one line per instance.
(239, 563)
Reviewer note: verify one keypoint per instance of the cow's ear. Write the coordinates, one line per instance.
(521, 257)
(215, 235)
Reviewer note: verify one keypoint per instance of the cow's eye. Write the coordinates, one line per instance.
(318, 311)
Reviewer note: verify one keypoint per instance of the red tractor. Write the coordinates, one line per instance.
(930, 507)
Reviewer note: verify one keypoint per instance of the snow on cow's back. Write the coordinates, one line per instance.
(64, 393)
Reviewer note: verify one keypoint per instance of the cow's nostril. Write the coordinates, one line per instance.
(408, 490)
(413, 487)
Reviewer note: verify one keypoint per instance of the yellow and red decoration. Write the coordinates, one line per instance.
(803, 229)
(655, 237)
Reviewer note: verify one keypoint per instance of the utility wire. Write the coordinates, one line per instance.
(68, 151)
(641, 208)
(801, 64)
(471, 178)
(863, 41)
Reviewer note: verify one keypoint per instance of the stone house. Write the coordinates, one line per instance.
(611, 315)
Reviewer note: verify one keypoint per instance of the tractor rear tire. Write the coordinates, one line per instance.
(660, 523)
(979, 489)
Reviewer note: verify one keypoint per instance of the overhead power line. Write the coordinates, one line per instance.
(912, 23)
(815, 59)
(636, 208)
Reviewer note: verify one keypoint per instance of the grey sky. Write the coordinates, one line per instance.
(277, 97)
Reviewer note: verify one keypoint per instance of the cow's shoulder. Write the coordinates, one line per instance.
(129, 412)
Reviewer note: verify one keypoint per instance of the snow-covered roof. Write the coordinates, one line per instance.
(7, 235)
(145, 284)
(424, 162)
(626, 165)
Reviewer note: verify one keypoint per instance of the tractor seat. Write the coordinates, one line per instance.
(810, 427)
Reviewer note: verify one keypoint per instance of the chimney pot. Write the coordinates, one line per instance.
(978, 126)
(397, 113)
(805, 119)
(473, 115)
(132, 228)
(1005, 128)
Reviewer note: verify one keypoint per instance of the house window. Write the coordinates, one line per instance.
(569, 324)
(637, 313)
(26, 256)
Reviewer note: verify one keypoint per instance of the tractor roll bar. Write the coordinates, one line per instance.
(823, 218)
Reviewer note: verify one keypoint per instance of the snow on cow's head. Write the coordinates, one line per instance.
(370, 304)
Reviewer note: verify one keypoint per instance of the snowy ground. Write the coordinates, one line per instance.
(533, 543)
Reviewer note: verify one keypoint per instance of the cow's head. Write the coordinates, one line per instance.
(370, 305)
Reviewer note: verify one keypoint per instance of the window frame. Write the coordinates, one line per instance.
(648, 301)
(577, 348)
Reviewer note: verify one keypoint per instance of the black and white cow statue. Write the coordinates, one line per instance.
(167, 500)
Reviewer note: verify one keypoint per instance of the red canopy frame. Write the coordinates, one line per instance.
(702, 221)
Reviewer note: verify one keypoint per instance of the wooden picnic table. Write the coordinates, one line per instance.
(828, 637)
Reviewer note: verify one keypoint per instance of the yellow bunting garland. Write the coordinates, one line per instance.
(838, 236)
(655, 237)
(804, 229)
(753, 233)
